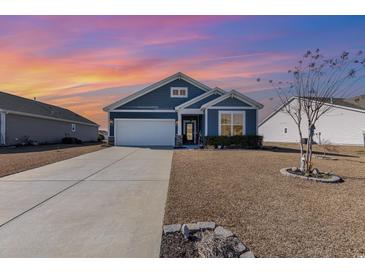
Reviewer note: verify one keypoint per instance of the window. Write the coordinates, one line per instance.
(231, 123)
(73, 127)
(285, 130)
(179, 92)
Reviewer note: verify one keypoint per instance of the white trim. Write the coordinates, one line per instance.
(179, 123)
(191, 111)
(216, 90)
(179, 95)
(3, 128)
(232, 112)
(257, 122)
(46, 117)
(108, 123)
(155, 86)
(343, 107)
(233, 94)
(206, 122)
(131, 119)
(143, 110)
(225, 107)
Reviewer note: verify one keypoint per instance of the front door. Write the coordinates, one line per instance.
(189, 132)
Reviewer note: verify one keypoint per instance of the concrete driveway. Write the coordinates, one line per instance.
(108, 203)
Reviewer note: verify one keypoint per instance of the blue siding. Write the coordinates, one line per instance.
(213, 122)
(231, 102)
(160, 98)
(203, 101)
(140, 115)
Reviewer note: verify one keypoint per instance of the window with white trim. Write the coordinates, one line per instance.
(179, 92)
(231, 123)
(73, 127)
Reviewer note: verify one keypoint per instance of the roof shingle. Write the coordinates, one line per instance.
(15, 103)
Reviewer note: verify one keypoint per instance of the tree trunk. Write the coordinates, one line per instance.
(309, 148)
(302, 157)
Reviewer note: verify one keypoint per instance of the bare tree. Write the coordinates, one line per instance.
(316, 82)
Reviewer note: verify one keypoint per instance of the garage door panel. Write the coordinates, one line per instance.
(145, 132)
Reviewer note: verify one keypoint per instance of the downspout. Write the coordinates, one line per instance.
(2, 128)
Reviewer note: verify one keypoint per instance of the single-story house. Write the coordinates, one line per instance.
(179, 110)
(343, 124)
(23, 120)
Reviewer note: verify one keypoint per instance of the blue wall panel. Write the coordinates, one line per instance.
(232, 102)
(203, 101)
(161, 99)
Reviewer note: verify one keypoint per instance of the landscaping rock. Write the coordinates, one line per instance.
(239, 247)
(247, 254)
(294, 169)
(193, 227)
(200, 240)
(171, 228)
(206, 225)
(331, 179)
(315, 171)
(185, 231)
(225, 233)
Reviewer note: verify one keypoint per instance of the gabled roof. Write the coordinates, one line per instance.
(216, 90)
(154, 86)
(20, 105)
(339, 102)
(233, 94)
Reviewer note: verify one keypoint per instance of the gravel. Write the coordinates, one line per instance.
(275, 215)
(17, 159)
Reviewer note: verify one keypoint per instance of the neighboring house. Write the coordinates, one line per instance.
(180, 111)
(343, 124)
(24, 119)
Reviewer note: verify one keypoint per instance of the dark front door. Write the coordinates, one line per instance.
(189, 132)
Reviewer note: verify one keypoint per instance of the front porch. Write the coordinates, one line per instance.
(190, 129)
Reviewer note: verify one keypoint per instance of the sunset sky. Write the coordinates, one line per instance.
(87, 62)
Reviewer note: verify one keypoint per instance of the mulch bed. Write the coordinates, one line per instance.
(174, 245)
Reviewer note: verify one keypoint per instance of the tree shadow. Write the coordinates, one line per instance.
(296, 150)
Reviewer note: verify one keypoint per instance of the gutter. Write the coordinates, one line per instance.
(47, 117)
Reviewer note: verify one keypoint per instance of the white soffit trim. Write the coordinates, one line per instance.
(216, 90)
(154, 86)
(234, 94)
(190, 111)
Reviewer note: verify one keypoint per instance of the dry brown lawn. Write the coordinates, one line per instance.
(13, 160)
(275, 216)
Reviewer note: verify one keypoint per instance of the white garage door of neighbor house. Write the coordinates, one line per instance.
(144, 132)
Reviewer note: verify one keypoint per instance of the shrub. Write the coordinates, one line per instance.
(245, 141)
(101, 137)
(71, 140)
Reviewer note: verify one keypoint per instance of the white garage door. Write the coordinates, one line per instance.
(144, 132)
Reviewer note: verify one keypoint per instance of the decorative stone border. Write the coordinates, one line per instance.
(188, 229)
(333, 179)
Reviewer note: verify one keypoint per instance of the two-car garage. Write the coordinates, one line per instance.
(144, 132)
